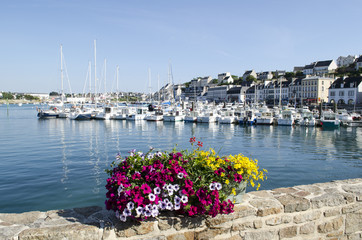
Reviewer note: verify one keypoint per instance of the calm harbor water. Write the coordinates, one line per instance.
(60, 163)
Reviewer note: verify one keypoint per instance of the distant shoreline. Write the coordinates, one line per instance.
(17, 101)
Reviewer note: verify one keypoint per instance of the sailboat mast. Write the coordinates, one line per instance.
(105, 76)
(117, 83)
(280, 92)
(95, 73)
(61, 70)
(149, 83)
(158, 86)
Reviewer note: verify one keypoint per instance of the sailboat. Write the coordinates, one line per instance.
(53, 111)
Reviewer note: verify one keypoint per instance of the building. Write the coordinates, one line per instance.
(346, 61)
(205, 81)
(236, 94)
(218, 93)
(265, 75)
(346, 90)
(295, 90)
(309, 69)
(315, 89)
(228, 80)
(322, 68)
(222, 76)
(249, 73)
(359, 63)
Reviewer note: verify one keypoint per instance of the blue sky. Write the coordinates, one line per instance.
(199, 38)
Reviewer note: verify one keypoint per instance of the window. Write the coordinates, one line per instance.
(333, 93)
(341, 93)
(322, 82)
(351, 93)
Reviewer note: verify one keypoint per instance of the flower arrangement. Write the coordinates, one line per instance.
(192, 183)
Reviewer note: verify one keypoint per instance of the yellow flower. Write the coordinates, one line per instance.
(233, 191)
(227, 181)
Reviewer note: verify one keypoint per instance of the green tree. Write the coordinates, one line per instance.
(251, 78)
(8, 95)
(53, 94)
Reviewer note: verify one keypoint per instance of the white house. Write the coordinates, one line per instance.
(205, 81)
(222, 76)
(265, 75)
(346, 90)
(324, 67)
(346, 61)
(309, 69)
(249, 73)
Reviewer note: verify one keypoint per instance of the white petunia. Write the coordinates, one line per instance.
(180, 175)
(155, 213)
(139, 210)
(152, 197)
(163, 205)
(123, 218)
(157, 190)
(120, 189)
(176, 187)
(212, 186)
(177, 206)
(148, 213)
(127, 212)
(169, 206)
(218, 186)
(177, 200)
(130, 205)
(184, 199)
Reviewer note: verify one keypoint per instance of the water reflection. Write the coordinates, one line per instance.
(72, 155)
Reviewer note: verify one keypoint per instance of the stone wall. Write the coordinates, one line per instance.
(330, 210)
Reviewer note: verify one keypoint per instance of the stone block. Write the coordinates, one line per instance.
(267, 206)
(241, 226)
(308, 216)
(262, 194)
(331, 212)
(26, 218)
(335, 234)
(208, 234)
(9, 232)
(69, 232)
(273, 221)
(243, 211)
(258, 224)
(328, 200)
(220, 219)
(352, 208)
(261, 235)
(294, 204)
(288, 190)
(355, 236)
(307, 228)
(288, 232)
(312, 189)
(354, 222)
(287, 219)
(182, 236)
(353, 188)
(332, 225)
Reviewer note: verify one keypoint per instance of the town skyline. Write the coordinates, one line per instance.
(197, 39)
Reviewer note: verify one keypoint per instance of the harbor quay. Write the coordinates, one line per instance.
(331, 210)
